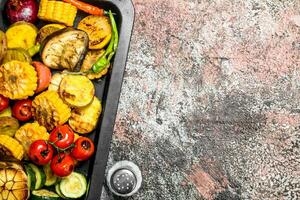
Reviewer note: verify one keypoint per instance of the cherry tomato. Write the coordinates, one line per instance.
(40, 152)
(62, 165)
(4, 102)
(22, 110)
(84, 149)
(62, 136)
(44, 76)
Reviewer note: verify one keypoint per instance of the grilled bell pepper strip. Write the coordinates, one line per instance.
(93, 10)
(104, 60)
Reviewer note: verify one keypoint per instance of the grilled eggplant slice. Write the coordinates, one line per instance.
(65, 49)
(84, 120)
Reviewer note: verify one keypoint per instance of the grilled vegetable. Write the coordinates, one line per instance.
(9, 147)
(18, 80)
(93, 10)
(98, 29)
(57, 11)
(19, 54)
(8, 126)
(48, 30)
(21, 35)
(4, 103)
(31, 177)
(40, 176)
(6, 112)
(91, 58)
(62, 165)
(65, 49)
(62, 136)
(41, 152)
(104, 62)
(44, 76)
(50, 110)
(34, 49)
(44, 194)
(21, 10)
(13, 183)
(57, 190)
(74, 180)
(84, 120)
(51, 179)
(83, 149)
(55, 81)
(22, 110)
(29, 133)
(76, 90)
(3, 45)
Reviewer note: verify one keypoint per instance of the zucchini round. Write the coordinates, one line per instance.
(73, 186)
(19, 54)
(39, 175)
(57, 190)
(50, 177)
(44, 195)
(31, 177)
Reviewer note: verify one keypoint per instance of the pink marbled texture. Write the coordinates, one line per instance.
(212, 80)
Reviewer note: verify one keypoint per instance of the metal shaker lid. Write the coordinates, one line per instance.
(124, 178)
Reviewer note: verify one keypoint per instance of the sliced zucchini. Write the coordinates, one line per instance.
(50, 177)
(39, 175)
(8, 126)
(57, 190)
(19, 54)
(44, 195)
(31, 177)
(6, 112)
(73, 186)
(76, 90)
(21, 35)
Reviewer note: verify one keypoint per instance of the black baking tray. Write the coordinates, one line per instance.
(107, 90)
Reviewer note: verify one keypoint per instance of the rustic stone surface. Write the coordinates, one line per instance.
(210, 103)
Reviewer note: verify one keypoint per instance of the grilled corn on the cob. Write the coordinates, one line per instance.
(18, 80)
(13, 182)
(49, 110)
(10, 147)
(57, 11)
(29, 133)
(84, 120)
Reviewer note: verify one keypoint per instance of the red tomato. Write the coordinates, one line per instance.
(44, 76)
(62, 136)
(40, 152)
(4, 102)
(62, 165)
(84, 149)
(22, 110)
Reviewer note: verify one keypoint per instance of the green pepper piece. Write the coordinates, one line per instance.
(34, 49)
(104, 60)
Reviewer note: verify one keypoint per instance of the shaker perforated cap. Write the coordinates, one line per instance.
(124, 178)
